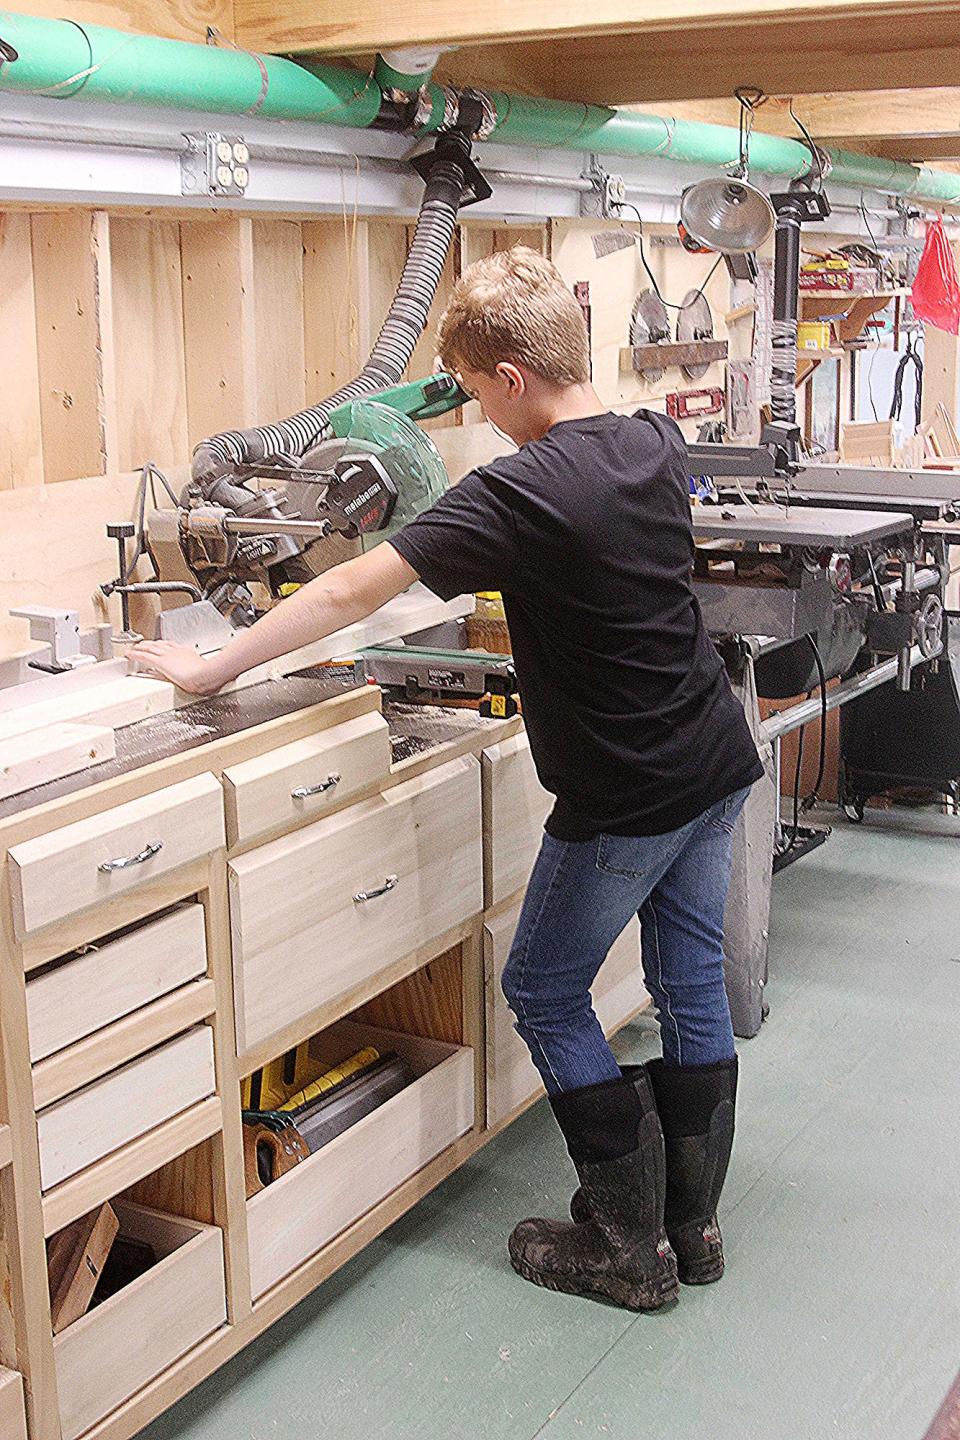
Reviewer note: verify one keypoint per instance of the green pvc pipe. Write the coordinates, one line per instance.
(63, 59)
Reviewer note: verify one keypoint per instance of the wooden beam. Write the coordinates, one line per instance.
(846, 118)
(920, 151)
(783, 54)
(174, 19)
(329, 25)
(21, 450)
(620, 51)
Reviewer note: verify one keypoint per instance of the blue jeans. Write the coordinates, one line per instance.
(580, 897)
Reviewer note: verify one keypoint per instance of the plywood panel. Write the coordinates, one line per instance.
(387, 245)
(21, 451)
(477, 242)
(334, 254)
(54, 549)
(279, 363)
(218, 338)
(148, 339)
(68, 343)
(615, 280)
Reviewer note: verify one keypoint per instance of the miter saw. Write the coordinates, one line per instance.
(268, 523)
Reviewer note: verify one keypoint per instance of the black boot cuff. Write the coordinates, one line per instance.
(687, 1095)
(601, 1122)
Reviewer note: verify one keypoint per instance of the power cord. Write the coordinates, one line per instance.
(814, 152)
(910, 356)
(811, 799)
(670, 305)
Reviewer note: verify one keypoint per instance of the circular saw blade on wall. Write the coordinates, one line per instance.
(649, 324)
(695, 322)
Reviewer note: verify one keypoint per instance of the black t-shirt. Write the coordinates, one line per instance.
(587, 534)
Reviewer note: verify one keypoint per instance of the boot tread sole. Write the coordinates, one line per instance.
(667, 1291)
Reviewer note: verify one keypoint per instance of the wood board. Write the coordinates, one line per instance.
(123, 701)
(39, 756)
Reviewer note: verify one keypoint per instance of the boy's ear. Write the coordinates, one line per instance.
(513, 376)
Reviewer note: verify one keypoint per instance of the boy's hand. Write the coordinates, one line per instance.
(178, 663)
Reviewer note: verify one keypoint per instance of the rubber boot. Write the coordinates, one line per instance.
(696, 1105)
(620, 1252)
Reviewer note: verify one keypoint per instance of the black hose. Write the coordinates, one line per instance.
(814, 795)
(395, 344)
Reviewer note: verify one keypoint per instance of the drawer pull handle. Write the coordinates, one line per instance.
(391, 883)
(302, 791)
(147, 853)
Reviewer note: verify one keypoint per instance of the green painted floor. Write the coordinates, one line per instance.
(840, 1313)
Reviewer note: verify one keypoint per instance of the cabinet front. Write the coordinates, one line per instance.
(318, 913)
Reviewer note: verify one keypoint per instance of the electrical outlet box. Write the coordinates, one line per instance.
(214, 164)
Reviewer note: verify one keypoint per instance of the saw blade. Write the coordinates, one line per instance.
(695, 322)
(649, 324)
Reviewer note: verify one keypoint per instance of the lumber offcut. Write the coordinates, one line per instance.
(39, 756)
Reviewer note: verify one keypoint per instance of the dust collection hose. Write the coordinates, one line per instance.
(405, 322)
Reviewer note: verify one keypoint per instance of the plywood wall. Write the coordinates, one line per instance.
(615, 280)
(131, 338)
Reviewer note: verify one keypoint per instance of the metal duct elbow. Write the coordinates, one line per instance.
(403, 73)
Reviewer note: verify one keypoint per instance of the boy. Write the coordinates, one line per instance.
(632, 725)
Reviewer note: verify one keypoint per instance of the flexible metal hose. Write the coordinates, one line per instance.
(402, 328)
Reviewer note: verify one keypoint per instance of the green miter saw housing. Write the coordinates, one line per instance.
(380, 435)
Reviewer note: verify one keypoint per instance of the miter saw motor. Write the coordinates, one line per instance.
(266, 523)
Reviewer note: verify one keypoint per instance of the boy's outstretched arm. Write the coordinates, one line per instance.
(340, 597)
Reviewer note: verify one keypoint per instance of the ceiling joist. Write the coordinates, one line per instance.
(914, 125)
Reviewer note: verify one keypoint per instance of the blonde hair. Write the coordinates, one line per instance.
(515, 306)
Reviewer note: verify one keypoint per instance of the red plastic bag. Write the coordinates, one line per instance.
(936, 291)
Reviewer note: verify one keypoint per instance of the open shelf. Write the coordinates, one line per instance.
(851, 295)
(386, 1142)
(158, 1288)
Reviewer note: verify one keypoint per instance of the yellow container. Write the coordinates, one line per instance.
(813, 335)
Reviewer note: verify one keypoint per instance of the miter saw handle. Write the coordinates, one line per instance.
(417, 399)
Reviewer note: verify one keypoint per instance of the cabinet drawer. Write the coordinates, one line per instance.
(297, 1215)
(515, 805)
(70, 869)
(13, 1424)
(618, 993)
(118, 1348)
(303, 933)
(268, 791)
(76, 997)
(84, 1127)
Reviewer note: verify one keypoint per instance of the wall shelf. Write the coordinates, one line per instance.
(653, 357)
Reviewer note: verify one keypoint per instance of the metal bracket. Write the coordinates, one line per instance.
(60, 629)
(214, 164)
(607, 194)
